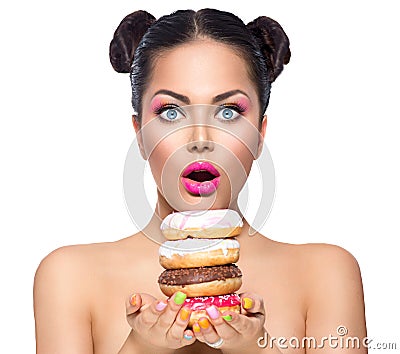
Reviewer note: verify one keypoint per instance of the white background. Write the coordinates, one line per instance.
(65, 129)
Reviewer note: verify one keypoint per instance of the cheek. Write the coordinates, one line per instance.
(235, 149)
(160, 158)
(243, 154)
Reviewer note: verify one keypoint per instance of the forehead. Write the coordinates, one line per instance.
(201, 69)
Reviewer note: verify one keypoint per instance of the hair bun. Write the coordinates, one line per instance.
(273, 42)
(127, 37)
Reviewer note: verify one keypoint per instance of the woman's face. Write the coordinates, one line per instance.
(200, 106)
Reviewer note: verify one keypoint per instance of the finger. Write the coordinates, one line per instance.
(177, 331)
(138, 301)
(197, 332)
(189, 337)
(148, 313)
(221, 323)
(133, 304)
(252, 303)
(168, 316)
(243, 324)
(208, 331)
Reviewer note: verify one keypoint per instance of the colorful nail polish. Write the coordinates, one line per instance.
(187, 336)
(161, 306)
(203, 322)
(213, 312)
(227, 318)
(184, 313)
(179, 298)
(132, 300)
(196, 327)
(247, 303)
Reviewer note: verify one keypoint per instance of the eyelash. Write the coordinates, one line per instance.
(236, 106)
(163, 107)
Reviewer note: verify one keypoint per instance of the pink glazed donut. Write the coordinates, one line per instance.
(212, 223)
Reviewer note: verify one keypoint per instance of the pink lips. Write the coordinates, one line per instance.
(200, 187)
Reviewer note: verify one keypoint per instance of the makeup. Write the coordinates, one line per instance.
(157, 103)
(161, 306)
(179, 298)
(187, 336)
(196, 328)
(247, 303)
(184, 313)
(200, 178)
(241, 105)
(204, 323)
(132, 300)
(213, 312)
(227, 318)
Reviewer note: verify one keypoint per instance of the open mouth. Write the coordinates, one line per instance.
(200, 178)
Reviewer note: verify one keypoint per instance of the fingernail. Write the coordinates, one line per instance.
(132, 300)
(247, 303)
(213, 312)
(227, 318)
(184, 314)
(187, 336)
(196, 327)
(179, 298)
(204, 323)
(161, 306)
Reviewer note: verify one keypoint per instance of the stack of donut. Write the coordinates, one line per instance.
(199, 259)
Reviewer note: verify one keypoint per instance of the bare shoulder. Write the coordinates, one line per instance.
(73, 260)
(328, 279)
(61, 296)
(334, 291)
(329, 262)
(320, 269)
(78, 269)
(318, 259)
(80, 262)
(65, 287)
(68, 269)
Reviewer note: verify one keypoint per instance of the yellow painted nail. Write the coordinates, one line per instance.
(247, 303)
(196, 327)
(184, 313)
(204, 323)
(132, 300)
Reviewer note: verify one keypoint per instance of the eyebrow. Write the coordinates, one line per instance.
(186, 100)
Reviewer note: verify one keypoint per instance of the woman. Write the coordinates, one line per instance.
(104, 298)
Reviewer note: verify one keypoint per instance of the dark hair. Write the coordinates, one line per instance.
(140, 38)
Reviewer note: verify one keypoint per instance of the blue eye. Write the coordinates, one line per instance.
(170, 114)
(228, 114)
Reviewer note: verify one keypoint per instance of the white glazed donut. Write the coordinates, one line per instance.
(212, 223)
(196, 252)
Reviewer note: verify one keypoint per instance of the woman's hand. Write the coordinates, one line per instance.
(239, 332)
(162, 324)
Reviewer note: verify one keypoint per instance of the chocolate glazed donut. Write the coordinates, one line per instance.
(201, 281)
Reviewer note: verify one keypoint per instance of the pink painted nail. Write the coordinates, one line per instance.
(161, 306)
(212, 312)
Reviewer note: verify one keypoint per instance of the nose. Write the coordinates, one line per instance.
(200, 139)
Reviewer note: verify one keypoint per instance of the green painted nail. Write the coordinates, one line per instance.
(227, 318)
(179, 298)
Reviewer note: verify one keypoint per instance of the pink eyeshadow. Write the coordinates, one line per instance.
(243, 102)
(157, 103)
